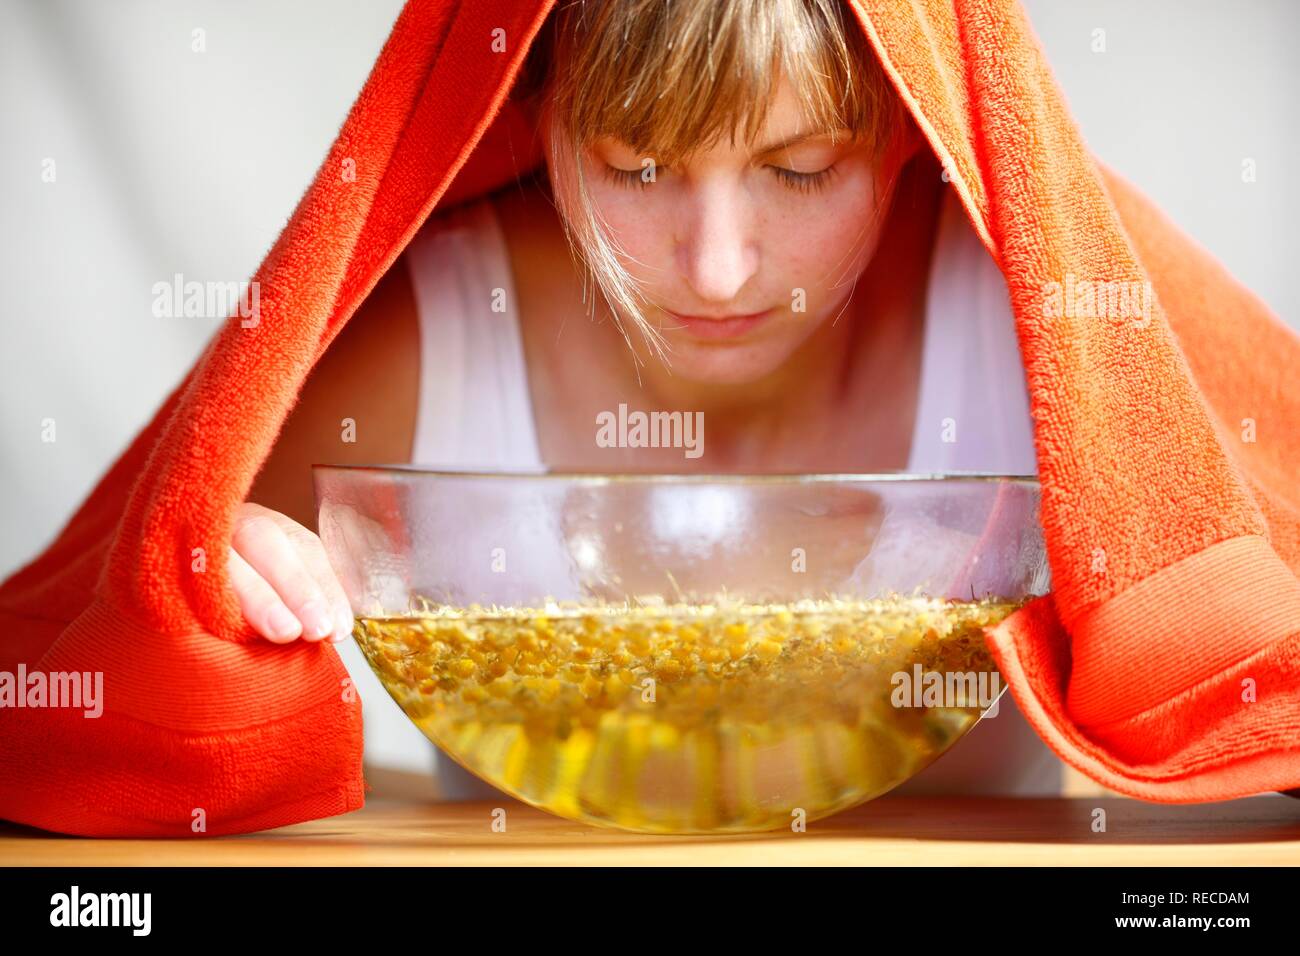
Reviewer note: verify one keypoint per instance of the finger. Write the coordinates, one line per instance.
(263, 543)
(259, 603)
(313, 556)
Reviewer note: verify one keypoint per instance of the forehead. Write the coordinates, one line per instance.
(786, 113)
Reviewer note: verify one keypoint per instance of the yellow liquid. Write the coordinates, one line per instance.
(685, 718)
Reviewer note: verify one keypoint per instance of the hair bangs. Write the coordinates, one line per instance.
(673, 78)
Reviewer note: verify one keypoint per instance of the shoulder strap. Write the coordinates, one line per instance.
(475, 408)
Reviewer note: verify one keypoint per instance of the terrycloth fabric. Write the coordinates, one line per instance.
(1165, 664)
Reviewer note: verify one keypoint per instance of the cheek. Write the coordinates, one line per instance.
(636, 223)
(820, 241)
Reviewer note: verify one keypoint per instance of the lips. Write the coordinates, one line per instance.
(722, 327)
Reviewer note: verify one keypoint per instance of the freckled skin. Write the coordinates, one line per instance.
(725, 234)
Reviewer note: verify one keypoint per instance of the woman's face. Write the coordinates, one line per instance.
(742, 252)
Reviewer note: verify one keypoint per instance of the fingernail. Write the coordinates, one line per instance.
(282, 623)
(316, 618)
(344, 629)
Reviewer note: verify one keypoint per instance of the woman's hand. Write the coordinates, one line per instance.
(285, 585)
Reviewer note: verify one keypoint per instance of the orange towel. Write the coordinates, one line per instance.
(1166, 663)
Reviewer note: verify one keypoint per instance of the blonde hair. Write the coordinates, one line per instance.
(669, 77)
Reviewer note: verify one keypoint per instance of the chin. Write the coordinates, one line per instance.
(732, 363)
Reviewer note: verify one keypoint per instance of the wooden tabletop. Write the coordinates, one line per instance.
(964, 831)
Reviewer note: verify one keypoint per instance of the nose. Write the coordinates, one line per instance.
(716, 250)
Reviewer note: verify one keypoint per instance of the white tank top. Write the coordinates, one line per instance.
(474, 400)
(475, 413)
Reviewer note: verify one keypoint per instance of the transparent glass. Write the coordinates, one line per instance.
(683, 654)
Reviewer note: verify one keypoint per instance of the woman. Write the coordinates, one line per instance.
(1164, 441)
(768, 245)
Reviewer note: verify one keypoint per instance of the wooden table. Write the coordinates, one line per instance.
(405, 830)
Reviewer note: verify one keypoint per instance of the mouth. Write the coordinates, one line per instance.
(720, 327)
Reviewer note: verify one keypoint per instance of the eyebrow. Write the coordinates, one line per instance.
(795, 141)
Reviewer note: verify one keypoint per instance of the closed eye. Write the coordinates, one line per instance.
(626, 177)
(803, 182)
(800, 182)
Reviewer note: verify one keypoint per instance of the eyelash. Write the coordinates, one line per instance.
(800, 182)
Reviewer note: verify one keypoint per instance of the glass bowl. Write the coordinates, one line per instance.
(680, 653)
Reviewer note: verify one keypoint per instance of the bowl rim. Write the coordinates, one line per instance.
(653, 477)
